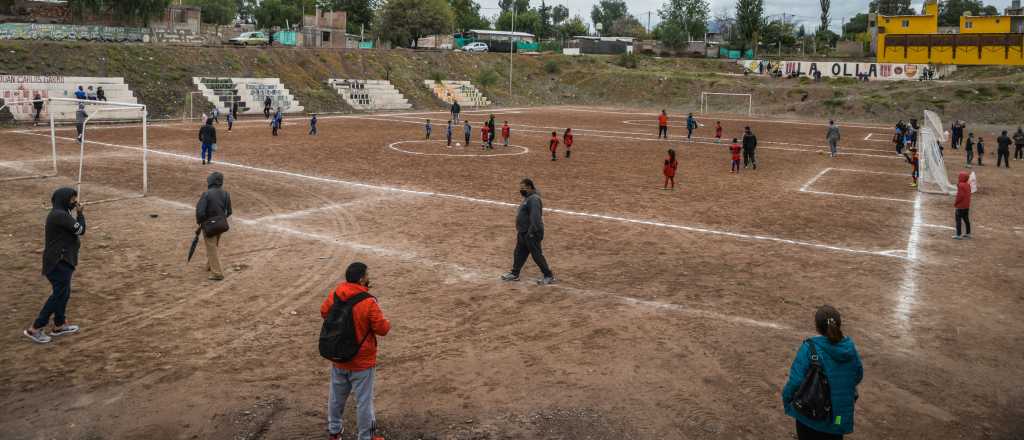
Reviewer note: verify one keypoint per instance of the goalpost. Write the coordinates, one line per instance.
(53, 144)
(931, 167)
(740, 102)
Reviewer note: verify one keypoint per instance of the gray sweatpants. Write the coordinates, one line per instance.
(344, 382)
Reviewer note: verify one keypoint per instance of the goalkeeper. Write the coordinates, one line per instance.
(912, 159)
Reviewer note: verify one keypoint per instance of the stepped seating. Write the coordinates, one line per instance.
(248, 93)
(463, 91)
(24, 87)
(370, 95)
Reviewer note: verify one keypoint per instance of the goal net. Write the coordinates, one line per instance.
(739, 103)
(933, 177)
(103, 150)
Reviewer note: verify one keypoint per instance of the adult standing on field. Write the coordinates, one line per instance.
(529, 234)
(1003, 152)
(267, 105)
(207, 139)
(1018, 141)
(212, 212)
(456, 109)
(490, 131)
(60, 258)
(357, 374)
(663, 125)
(837, 356)
(37, 105)
(962, 205)
(833, 138)
(691, 124)
(749, 148)
(80, 118)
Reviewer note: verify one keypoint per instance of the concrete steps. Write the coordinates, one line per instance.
(248, 93)
(370, 95)
(463, 91)
(24, 87)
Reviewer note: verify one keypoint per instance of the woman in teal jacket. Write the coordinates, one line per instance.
(843, 368)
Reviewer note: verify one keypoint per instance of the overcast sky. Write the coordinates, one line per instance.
(805, 11)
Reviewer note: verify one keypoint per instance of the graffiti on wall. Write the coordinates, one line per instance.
(260, 92)
(828, 69)
(27, 31)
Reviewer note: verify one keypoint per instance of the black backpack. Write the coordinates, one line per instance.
(814, 397)
(338, 335)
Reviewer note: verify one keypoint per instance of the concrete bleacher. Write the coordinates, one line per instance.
(248, 93)
(463, 91)
(24, 87)
(370, 95)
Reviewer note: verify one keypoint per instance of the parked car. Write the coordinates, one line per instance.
(249, 38)
(475, 47)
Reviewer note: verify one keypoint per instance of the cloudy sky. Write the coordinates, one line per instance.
(806, 11)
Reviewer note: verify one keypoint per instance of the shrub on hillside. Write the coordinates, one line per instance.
(436, 76)
(552, 67)
(487, 78)
(628, 60)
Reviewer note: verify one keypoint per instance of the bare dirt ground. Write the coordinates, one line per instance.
(677, 315)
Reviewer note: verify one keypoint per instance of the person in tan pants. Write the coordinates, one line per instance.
(214, 206)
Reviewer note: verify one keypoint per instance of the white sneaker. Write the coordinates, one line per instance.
(37, 336)
(957, 237)
(66, 329)
(547, 280)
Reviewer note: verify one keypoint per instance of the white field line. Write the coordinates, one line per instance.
(814, 179)
(316, 210)
(759, 141)
(394, 146)
(907, 296)
(807, 186)
(868, 138)
(813, 245)
(470, 274)
(772, 121)
(851, 170)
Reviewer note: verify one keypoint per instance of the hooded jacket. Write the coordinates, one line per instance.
(1004, 143)
(368, 318)
(844, 371)
(963, 192)
(529, 218)
(208, 134)
(62, 231)
(749, 141)
(833, 133)
(215, 201)
(1018, 137)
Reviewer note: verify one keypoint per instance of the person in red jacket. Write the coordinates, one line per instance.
(506, 132)
(553, 145)
(718, 132)
(671, 165)
(567, 138)
(963, 205)
(663, 125)
(914, 164)
(485, 135)
(356, 375)
(736, 149)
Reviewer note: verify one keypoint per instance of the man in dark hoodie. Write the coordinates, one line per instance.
(214, 203)
(208, 137)
(529, 234)
(37, 106)
(1018, 141)
(749, 148)
(1003, 150)
(60, 257)
(456, 109)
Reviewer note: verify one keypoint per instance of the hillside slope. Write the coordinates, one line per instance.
(161, 77)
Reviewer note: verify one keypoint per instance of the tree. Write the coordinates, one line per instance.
(559, 14)
(749, 23)
(544, 13)
(891, 7)
(802, 32)
(358, 13)
(950, 11)
(281, 13)
(403, 22)
(858, 24)
(245, 10)
(521, 5)
(825, 6)
(607, 11)
(671, 34)
(525, 21)
(779, 32)
(467, 15)
(628, 26)
(573, 27)
(689, 15)
(216, 11)
(123, 11)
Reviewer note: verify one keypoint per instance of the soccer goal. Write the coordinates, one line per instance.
(25, 163)
(931, 167)
(714, 102)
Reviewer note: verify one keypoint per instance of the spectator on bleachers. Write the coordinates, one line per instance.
(80, 93)
(100, 94)
(91, 94)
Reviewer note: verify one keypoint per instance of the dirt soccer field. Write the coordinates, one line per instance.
(677, 315)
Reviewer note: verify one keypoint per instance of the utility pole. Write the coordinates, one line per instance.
(512, 46)
(648, 22)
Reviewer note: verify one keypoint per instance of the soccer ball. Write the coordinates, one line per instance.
(458, 145)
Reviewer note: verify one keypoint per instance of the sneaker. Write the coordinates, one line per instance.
(37, 336)
(967, 236)
(334, 436)
(215, 277)
(66, 329)
(510, 277)
(547, 280)
(957, 237)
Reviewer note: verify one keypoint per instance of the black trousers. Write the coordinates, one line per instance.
(803, 432)
(1018, 153)
(1003, 156)
(748, 158)
(57, 304)
(963, 215)
(662, 132)
(526, 246)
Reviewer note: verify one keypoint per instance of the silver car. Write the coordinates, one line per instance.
(475, 47)
(248, 38)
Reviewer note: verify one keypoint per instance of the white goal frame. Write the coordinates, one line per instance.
(53, 142)
(704, 100)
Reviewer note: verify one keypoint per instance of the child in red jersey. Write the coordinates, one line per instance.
(567, 138)
(553, 145)
(735, 148)
(485, 135)
(914, 163)
(671, 165)
(506, 132)
(718, 132)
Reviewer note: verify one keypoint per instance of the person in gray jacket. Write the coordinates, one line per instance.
(215, 202)
(80, 118)
(833, 138)
(529, 234)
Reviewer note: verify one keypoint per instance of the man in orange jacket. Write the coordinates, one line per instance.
(357, 374)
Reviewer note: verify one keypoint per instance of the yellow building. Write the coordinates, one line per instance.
(915, 39)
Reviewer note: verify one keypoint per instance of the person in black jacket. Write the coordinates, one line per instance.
(267, 105)
(1003, 150)
(749, 148)
(37, 105)
(60, 257)
(529, 234)
(456, 109)
(208, 137)
(214, 203)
